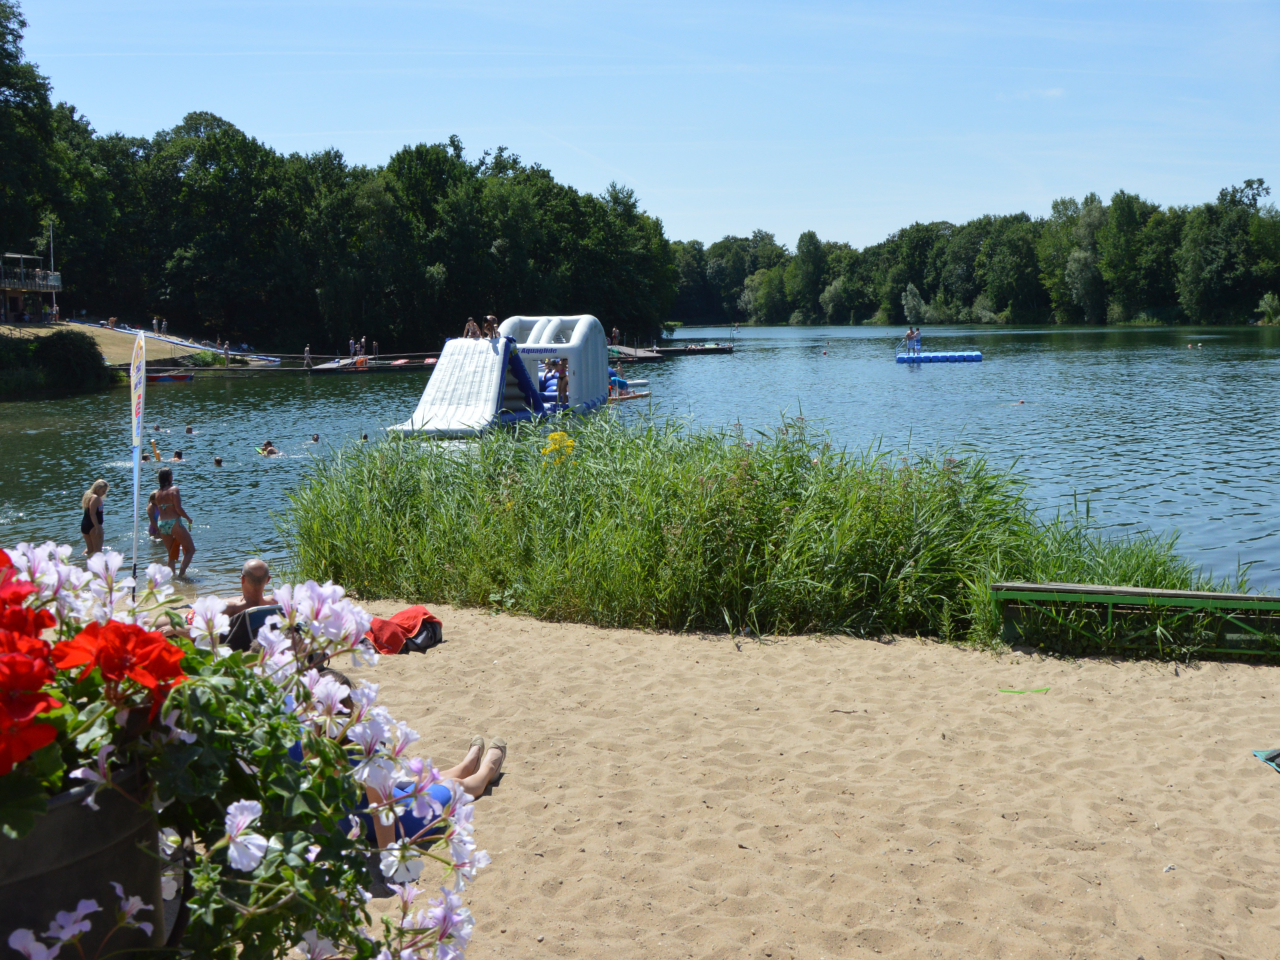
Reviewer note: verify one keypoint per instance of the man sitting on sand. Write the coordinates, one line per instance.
(254, 577)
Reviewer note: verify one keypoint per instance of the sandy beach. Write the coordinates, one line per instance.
(679, 796)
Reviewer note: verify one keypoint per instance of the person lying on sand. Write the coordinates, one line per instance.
(478, 769)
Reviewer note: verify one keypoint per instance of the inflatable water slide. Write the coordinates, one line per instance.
(479, 384)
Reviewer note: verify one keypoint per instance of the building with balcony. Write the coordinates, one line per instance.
(23, 285)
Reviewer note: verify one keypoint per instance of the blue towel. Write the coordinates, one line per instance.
(1270, 757)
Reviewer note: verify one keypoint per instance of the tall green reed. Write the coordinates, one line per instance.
(655, 524)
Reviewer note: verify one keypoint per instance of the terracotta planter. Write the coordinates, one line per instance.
(75, 853)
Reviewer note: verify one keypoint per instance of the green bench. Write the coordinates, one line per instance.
(1137, 612)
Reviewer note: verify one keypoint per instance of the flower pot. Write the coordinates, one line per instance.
(74, 853)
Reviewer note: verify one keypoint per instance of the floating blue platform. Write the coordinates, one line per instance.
(963, 356)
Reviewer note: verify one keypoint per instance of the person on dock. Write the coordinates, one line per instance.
(175, 536)
(472, 330)
(306, 356)
(488, 332)
(364, 350)
(155, 325)
(375, 349)
(91, 521)
(351, 346)
(615, 338)
(164, 328)
(226, 355)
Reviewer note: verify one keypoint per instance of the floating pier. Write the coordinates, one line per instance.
(633, 354)
(961, 356)
(692, 349)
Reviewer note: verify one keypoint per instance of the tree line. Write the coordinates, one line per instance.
(208, 227)
(1129, 260)
(223, 236)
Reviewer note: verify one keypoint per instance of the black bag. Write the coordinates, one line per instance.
(428, 635)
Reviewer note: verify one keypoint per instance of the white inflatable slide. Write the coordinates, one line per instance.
(479, 384)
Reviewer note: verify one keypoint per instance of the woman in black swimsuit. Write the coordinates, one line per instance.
(91, 521)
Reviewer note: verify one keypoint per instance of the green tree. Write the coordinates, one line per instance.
(28, 175)
(1217, 281)
(804, 276)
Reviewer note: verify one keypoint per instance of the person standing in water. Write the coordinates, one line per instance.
(91, 521)
(169, 522)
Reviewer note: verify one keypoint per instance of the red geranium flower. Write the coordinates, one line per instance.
(22, 619)
(17, 641)
(12, 590)
(21, 701)
(123, 650)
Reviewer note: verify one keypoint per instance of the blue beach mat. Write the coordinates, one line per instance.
(1270, 757)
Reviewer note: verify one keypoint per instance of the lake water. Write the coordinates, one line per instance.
(1153, 434)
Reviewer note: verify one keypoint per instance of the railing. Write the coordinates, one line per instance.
(42, 281)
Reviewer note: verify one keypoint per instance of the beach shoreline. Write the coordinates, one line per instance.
(681, 795)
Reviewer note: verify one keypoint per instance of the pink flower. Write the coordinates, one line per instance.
(208, 622)
(315, 948)
(246, 849)
(129, 906)
(25, 942)
(72, 923)
(100, 777)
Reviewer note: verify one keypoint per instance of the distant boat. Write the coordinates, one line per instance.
(169, 377)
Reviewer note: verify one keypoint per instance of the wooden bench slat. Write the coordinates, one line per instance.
(1085, 592)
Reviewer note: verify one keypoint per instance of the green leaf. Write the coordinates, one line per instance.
(22, 799)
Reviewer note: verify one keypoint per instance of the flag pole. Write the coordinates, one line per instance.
(137, 389)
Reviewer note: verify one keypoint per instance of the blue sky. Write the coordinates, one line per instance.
(850, 119)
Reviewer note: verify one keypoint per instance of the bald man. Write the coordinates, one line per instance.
(254, 577)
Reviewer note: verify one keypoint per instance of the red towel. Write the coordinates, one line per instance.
(388, 636)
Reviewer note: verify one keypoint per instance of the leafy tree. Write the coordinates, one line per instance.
(913, 305)
(28, 175)
(835, 303)
(804, 274)
(1217, 282)
(1269, 308)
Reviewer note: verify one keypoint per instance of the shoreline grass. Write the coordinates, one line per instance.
(653, 524)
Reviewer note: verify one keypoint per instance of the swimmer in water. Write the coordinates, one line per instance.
(269, 449)
(189, 429)
(217, 461)
(177, 457)
(315, 438)
(364, 438)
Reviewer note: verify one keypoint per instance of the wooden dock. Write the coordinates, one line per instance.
(634, 355)
(695, 349)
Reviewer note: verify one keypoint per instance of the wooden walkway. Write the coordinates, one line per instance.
(634, 354)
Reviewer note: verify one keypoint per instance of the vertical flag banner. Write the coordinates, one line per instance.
(137, 389)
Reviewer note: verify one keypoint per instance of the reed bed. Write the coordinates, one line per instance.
(654, 524)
